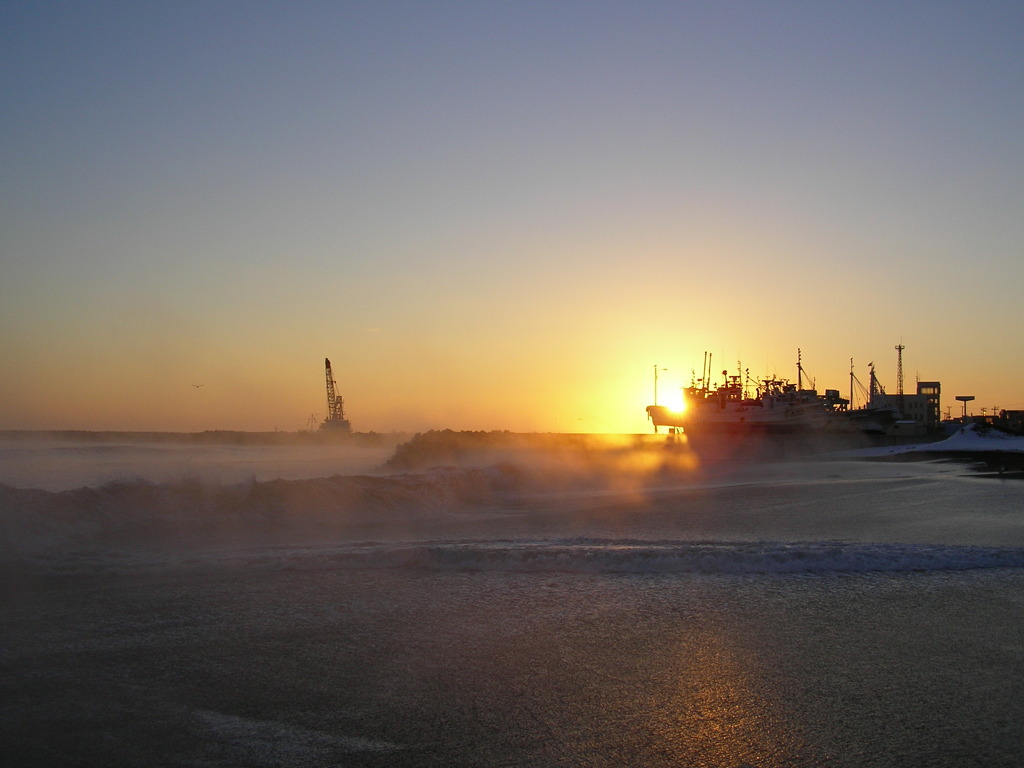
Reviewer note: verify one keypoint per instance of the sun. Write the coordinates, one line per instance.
(673, 399)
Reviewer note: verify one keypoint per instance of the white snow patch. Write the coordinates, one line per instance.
(967, 439)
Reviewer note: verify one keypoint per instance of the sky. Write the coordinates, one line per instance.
(500, 215)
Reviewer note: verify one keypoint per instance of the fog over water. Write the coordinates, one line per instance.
(497, 599)
(56, 462)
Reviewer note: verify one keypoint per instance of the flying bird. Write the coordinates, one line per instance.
(197, 386)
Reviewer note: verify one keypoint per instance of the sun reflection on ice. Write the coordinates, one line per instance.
(713, 710)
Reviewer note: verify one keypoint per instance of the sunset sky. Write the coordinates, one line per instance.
(500, 215)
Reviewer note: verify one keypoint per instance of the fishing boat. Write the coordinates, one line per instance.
(770, 405)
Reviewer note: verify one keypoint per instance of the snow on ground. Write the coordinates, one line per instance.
(966, 440)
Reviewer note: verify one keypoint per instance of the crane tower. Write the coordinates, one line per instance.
(899, 375)
(335, 404)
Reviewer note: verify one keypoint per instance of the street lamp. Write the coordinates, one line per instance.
(656, 369)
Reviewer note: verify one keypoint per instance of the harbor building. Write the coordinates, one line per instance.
(923, 407)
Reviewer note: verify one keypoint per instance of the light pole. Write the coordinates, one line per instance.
(656, 369)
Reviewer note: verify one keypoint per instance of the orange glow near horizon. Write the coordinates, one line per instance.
(570, 384)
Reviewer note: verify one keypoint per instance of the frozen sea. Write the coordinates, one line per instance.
(501, 600)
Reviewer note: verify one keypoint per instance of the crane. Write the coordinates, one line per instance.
(335, 404)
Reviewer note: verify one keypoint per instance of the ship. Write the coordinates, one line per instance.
(770, 406)
(776, 406)
(773, 406)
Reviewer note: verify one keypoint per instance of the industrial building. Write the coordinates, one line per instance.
(923, 407)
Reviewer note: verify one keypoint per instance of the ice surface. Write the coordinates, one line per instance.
(501, 600)
(804, 514)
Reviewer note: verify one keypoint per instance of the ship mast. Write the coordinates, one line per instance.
(875, 387)
(852, 377)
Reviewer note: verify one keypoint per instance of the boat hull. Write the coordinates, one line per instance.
(791, 419)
